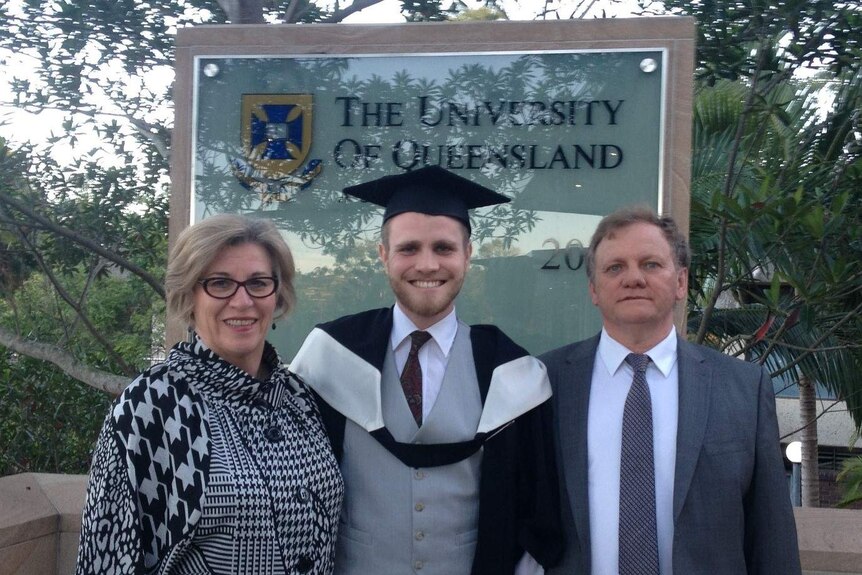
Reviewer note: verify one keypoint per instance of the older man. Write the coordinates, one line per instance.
(668, 451)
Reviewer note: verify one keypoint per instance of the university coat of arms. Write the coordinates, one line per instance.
(276, 138)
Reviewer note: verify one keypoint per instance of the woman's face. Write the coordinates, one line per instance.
(235, 328)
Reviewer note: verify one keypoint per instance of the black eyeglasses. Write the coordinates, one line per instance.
(225, 288)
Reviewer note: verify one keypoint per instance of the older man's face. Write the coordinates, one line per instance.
(637, 282)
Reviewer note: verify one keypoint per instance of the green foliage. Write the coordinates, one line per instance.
(776, 189)
(481, 14)
(15, 262)
(787, 243)
(851, 477)
(57, 292)
(731, 33)
(47, 422)
(122, 309)
(425, 10)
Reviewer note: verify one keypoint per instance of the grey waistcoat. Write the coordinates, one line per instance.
(400, 520)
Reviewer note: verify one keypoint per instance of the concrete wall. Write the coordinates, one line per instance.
(40, 521)
(40, 516)
(830, 540)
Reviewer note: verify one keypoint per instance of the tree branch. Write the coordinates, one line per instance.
(66, 297)
(97, 379)
(337, 15)
(729, 186)
(84, 242)
(243, 11)
(814, 346)
(817, 350)
(148, 131)
(818, 416)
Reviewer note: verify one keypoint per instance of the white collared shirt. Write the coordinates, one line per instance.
(433, 356)
(612, 378)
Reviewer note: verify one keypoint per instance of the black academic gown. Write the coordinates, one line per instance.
(518, 492)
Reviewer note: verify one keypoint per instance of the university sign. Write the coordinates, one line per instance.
(569, 119)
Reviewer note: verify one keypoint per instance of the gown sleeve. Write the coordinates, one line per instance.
(541, 532)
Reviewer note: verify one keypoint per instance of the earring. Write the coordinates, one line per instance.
(191, 335)
(273, 325)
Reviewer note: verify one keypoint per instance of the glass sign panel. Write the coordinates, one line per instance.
(568, 136)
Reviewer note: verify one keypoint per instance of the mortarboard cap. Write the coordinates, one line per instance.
(430, 190)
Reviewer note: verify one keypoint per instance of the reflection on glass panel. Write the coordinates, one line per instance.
(568, 136)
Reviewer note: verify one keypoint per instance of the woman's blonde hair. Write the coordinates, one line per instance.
(198, 245)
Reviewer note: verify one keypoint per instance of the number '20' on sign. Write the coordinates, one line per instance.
(572, 255)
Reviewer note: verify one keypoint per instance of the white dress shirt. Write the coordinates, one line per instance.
(612, 378)
(433, 356)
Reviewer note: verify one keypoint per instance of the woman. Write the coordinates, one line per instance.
(216, 461)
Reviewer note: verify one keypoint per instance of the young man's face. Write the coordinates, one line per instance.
(426, 259)
(637, 282)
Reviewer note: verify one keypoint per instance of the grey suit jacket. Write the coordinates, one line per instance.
(731, 503)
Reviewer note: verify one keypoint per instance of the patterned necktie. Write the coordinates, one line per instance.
(411, 376)
(638, 543)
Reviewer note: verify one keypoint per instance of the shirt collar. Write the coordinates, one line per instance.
(442, 332)
(613, 353)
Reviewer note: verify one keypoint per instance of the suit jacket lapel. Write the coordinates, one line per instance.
(695, 382)
(573, 402)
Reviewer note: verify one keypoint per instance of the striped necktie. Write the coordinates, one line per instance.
(638, 541)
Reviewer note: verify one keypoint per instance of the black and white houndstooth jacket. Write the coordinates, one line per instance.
(201, 468)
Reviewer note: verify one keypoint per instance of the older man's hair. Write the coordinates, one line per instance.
(199, 245)
(625, 217)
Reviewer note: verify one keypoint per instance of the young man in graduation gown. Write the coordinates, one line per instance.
(441, 429)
